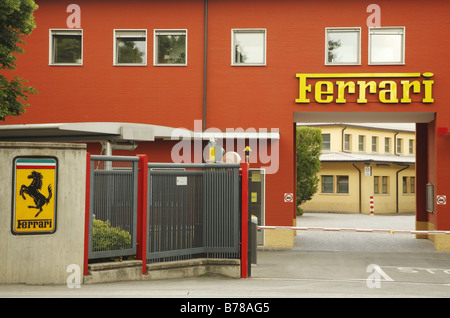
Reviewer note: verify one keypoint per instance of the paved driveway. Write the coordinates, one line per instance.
(359, 241)
(358, 264)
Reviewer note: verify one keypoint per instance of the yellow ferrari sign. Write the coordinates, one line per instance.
(34, 197)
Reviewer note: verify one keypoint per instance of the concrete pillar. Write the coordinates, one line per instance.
(44, 258)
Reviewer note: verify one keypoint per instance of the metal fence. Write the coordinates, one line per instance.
(113, 206)
(193, 211)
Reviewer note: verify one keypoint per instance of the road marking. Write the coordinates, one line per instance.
(345, 280)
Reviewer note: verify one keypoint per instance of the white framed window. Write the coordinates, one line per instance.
(170, 48)
(412, 146)
(248, 47)
(387, 46)
(387, 144)
(342, 46)
(130, 47)
(326, 142)
(374, 144)
(399, 145)
(347, 142)
(361, 143)
(66, 47)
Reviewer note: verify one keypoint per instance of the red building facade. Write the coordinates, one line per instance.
(250, 66)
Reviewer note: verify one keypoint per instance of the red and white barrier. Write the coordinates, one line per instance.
(296, 228)
(371, 205)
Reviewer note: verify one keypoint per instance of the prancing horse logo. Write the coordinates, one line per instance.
(33, 191)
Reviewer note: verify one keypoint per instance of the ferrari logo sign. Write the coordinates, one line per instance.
(34, 196)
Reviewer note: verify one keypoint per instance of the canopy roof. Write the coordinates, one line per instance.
(98, 131)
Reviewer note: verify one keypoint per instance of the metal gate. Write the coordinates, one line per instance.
(193, 211)
(165, 212)
(113, 206)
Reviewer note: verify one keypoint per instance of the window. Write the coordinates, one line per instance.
(342, 184)
(374, 144)
(327, 184)
(376, 185)
(409, 185)
(405, 185)
(387, 145)
(130, 47)
(170, 47)
(249, 47)
(384, 185)
(361, 143)
(342, 46)
(382, 188)
(411, 146)
(66, 47)
(347, 142)
(387, 45)
(326, 144)
(412, 184)
(399, 145)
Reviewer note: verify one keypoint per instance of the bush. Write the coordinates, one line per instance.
(107, 238)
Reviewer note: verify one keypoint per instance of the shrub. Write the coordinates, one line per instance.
(107, 238)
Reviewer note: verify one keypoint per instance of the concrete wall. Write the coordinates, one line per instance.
(44, 258)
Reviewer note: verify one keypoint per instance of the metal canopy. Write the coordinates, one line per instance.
(83, 132)
(113, 131)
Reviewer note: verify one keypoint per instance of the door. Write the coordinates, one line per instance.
(257, 199)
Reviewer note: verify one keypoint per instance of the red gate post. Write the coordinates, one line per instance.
(244, 220)
(87, 214)
(141, 232)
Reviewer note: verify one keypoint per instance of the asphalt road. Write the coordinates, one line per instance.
(358, 264)
(321, 265)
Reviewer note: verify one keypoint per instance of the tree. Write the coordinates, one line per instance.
(16, 21)
(309, 143)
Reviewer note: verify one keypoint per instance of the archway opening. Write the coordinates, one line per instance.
(367, 181)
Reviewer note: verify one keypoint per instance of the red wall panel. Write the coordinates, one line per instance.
(238, 96)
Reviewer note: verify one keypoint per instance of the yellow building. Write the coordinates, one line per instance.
(360, 161)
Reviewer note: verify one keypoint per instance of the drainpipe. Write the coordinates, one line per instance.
(205, 64)
(359, 172)
(395, 144)
(397, 190)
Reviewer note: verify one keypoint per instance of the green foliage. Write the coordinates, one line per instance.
(106, 238)
(16, 21)
(309, 143)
